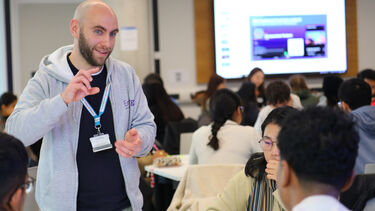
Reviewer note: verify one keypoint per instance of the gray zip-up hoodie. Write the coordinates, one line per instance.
(365, 122)
(41, 112)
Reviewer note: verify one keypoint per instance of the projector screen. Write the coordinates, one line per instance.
(280, 37)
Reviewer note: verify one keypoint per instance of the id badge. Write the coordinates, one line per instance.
(100, 142)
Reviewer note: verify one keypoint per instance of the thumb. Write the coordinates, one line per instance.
(131, 135)
(133, 132)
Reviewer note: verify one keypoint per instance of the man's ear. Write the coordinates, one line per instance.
(345, 107)
(348, 183)
(74, 28)
(285, 177)
(17, 199)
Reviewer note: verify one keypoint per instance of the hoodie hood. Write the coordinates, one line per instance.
(365, 117)
(56, 64)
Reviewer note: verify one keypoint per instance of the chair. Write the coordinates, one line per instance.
(171, 142)
(370, 168)
(361, 192)
(30, 203)
(185, 142)
(201, 184)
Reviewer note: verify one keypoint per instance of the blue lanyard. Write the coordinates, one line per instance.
(102, 107)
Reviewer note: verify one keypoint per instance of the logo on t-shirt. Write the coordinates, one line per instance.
(128, 103)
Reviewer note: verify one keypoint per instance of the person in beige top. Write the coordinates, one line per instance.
(255, 188)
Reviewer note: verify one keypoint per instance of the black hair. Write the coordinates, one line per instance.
(256, 165)
(153, 78)
(157, 95)
(13, 165)
(223, 104)
(213, 83)
(355, 92)
(247, 93)
(261, 89)
(367, 74)
(277, 92)
(7, 98)
(320, 144)
(331, 84)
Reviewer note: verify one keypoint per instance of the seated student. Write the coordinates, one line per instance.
(216, 82)
(224, 140)
(14, 182)
(299, 87)
(256, 76)
(368, 75)
(318, 147)
(162, 107)
(251, 110)
(277, 94)
(7, 103)
(355, 96)
(255, 188)
(331, 84)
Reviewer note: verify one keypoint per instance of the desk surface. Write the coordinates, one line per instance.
(174, 173)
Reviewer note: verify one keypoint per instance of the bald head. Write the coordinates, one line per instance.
(85, 8)
(94, 28)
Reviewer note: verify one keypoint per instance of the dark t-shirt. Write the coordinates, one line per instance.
(101, 184)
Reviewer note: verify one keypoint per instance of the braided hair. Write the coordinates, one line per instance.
(223, 104)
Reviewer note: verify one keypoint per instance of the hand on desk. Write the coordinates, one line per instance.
(131, 145)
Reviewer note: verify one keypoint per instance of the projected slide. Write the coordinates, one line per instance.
(286, 37)
(292, 36)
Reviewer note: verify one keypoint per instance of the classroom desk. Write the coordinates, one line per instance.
(175, 173)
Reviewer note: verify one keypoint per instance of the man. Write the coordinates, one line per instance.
(368, 75)
(355, 96)
(93, 117)
(14, 181)
(318, 147)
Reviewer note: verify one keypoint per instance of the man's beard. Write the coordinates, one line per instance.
(86, 51)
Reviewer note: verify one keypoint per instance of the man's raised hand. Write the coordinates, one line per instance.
(79, 87)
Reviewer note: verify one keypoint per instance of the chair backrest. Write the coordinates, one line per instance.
(370, 205)
(370, 168)
(30, 203)
(201, 184)
(185, 142)
(361, 191)
(171, 142)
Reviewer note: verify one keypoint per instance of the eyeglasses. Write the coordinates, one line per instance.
(339, 104)
(266, 143)
(28, 185)
(242, 109)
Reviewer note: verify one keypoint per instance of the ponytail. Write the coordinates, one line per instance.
(223, 104)
(214, 141)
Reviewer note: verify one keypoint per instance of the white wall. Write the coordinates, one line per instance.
(3, 65)
(41, 26)
(366, 33)
(38, 28)
(135, 13)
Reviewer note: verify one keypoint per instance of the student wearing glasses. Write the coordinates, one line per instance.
(14, 181)
(255, 188)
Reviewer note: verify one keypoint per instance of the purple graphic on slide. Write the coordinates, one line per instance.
(288, 37)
